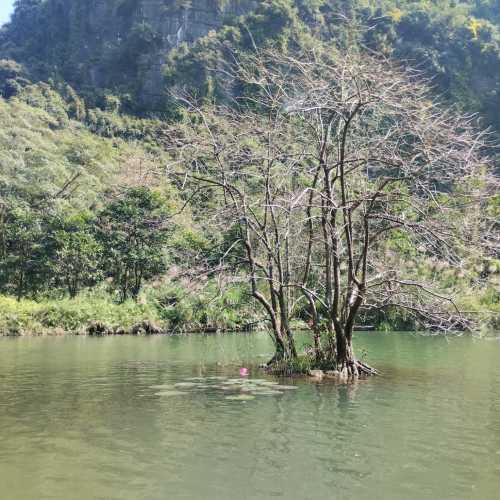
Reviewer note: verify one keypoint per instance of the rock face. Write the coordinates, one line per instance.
(124, 43)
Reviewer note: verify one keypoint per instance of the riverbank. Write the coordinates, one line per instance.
(96, 313)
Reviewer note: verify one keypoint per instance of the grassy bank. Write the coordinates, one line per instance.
(171, 309)
(28, 317)
(165, 309)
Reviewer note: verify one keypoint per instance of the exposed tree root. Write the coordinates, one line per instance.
(366, 369)
(357, 368)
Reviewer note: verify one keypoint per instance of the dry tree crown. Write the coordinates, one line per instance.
(318, 158)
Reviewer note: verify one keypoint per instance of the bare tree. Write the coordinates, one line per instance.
(319, 161)
(247, 157)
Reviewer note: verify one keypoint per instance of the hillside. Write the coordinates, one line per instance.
(89, 125)
(124, 47)
(118, 45)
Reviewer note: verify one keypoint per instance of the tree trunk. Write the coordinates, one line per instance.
(284, 347)
(20, 287)
(347, 363)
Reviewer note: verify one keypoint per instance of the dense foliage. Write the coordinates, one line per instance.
(87, 214)
(44, 248)
(455, 42)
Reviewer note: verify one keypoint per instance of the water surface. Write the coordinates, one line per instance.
(80, 419)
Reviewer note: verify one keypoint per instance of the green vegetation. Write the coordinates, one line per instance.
(81, 207)
(457, 43)
(97, 224)
(63, 315)
(167, 306)
(133, 233)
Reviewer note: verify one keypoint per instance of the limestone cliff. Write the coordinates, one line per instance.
(114, 44)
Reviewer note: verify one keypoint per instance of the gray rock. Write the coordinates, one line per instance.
(98, 328)
(317, 374)
(146, 328)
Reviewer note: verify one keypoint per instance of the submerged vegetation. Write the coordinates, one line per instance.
(292, 170)
(232, 389)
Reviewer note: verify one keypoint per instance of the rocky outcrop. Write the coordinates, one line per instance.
(123, 44)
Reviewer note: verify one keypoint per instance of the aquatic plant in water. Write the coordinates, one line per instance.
(233, 389)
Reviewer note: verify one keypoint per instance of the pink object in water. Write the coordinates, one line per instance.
(243, 372)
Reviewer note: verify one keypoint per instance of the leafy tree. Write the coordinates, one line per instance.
(23, 267)
(133, 232)
(12, 78)
(75, 251)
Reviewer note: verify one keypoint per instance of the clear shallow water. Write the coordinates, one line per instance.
(80, 420)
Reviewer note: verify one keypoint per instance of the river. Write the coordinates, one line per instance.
(102, 418)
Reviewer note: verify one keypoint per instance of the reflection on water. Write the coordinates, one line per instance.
(82, 418)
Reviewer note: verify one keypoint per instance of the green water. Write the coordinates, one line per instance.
(80, 420)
